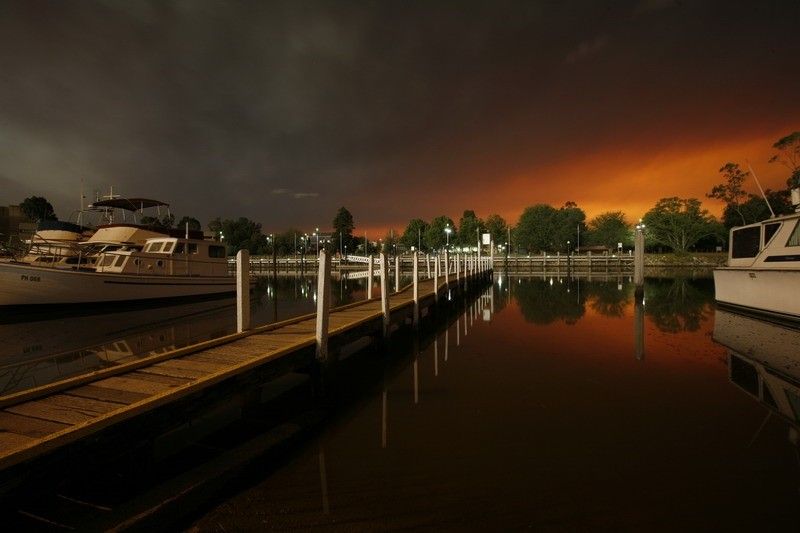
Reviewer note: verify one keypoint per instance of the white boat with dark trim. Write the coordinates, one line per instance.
(763, 272)
(165, 268)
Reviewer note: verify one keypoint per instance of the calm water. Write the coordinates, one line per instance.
(556, 404)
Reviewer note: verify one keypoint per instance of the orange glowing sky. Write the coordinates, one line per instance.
(283, 112)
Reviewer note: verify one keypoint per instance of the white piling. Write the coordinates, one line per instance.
(384, 266)
(428, 260)
(436, 278)
(242, 291)
(397, 273)
(323, 304)
(638, 259)
(447, 269)
(370, 279)
(415, 274)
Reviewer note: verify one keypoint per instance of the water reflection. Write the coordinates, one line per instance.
(51, 345)
(764, 362)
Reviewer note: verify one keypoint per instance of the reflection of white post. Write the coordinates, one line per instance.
(323, 304)
(458, 268)
(384, 266)
(242, 291)
(435, 356)
(491, 254)
(416, 379)
(397, 273)
(446, 342)
(383, 419)
(370, 273)
(323, 480)
(415, 274)
(458, 331)
(638, 326)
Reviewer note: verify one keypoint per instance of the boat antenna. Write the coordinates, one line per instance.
(753, 172)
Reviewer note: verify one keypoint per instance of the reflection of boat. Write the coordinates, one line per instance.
(167, 267)
(74, 345)
(763, 272)
(764, 361)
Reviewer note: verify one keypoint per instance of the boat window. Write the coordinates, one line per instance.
(107, 260)
(120, 260)
(744, 375)
(155, 247)
(770, 230)
(216, 251)
(192, 248)
(794, 240)
(168, 247)
(794, 401)
(745, 242)
(179, 248)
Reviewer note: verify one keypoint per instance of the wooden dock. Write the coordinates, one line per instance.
(40, 421)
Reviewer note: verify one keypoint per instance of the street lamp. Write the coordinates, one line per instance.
(448, 230)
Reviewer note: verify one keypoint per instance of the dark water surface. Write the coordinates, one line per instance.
(556, 404)
(47, 345)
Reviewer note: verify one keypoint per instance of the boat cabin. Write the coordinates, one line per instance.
(772, 244)
(167, 256)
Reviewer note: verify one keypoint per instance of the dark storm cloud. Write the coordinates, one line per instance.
(284, 111)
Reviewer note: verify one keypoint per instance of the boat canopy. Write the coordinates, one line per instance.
(129, 204)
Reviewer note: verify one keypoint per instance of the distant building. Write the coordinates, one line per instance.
(11, 217)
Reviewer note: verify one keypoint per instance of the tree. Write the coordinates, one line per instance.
(435, 236)
(536, 229)
(608, 229)
(243, 234)
(468, 229)
(731, 191)
(755, 208)
(497, 227)
(215, 226)
(165, 222)
(679, 223)
(37, 209)
(194, 224)
(789, 156)
(390, 242)
(569, 218)
(414, 234)
(343, 227)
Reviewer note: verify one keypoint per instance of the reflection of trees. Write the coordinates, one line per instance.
(678, 304)
(606, 299)
(542, 303)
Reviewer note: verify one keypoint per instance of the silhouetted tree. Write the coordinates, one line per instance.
(680, 223)
(37, 209)
(343, 227)
(435, 236)
(731, 191)
(789, 156)
(608, 229)
(414, 235)
(194, 224)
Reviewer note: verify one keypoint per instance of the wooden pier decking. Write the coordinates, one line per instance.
(39, 421)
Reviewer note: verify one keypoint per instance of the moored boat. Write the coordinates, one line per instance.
(763, 270)
(165, 268)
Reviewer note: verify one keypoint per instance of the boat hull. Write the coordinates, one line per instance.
(23, 285)
(772, 292)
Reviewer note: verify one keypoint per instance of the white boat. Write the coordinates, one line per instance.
(763, 271)
(165, 268)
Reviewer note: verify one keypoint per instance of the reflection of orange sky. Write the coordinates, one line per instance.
(629, 179)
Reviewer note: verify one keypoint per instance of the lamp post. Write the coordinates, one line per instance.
(448, 230)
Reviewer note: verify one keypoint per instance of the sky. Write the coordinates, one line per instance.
(283, 112)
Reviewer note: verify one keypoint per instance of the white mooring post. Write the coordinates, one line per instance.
(447, 269)
(397, 273)
(242, 290)
(428, 260)
(436, 278)
(384, 266)
(415, 274)
(370, 279)
(323, 304)
(638, 258)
